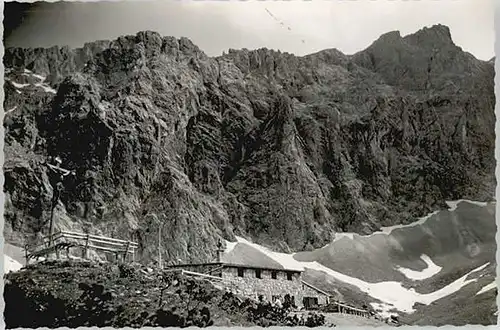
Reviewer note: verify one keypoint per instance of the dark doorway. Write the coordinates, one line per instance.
(310, 302)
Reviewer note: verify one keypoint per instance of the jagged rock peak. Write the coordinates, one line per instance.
(390, 36)
(258, 50)
(153, 41)
(436, 36)
(17, 56)
(144, 44)
(330, 56)
(438, 30)
(258, 143)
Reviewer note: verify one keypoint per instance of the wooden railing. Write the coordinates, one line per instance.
(201, 275)
(346, 309)
(65, 240)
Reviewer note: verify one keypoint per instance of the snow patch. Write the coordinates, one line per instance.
(41, 84)
(339, 236)
(488, 287)
(452, 207)
(431, 270)
(383, 310)
(10, 110)
(46, 88)
(286, 260)
(391, 293)
(37, 76)
(475, 270)
(10, 265)
(454, 204)
(230, 246)
(420, 221)
(17, 85)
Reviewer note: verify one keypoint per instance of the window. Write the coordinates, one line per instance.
(274, 275)
(258, 273)
(289, 276)
(241, 272)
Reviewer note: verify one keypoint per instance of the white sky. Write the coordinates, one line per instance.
(215, 26)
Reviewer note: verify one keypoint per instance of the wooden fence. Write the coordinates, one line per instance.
(201, 275)
(346, 309)
(66, 240)
(342, 308)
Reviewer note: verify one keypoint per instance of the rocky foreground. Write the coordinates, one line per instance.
(280, 149)
(76, 294)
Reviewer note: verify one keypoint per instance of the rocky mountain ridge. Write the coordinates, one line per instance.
(281, 149)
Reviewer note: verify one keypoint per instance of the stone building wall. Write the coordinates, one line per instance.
(310, 292)
(251, 286)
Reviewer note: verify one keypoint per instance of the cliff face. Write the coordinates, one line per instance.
(281, 149)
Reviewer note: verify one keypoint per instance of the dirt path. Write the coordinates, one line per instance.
(349, 320)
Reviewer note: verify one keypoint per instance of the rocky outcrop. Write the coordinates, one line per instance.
(281, 149)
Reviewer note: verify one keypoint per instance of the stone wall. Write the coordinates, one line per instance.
(310, 292)
(251, 286)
